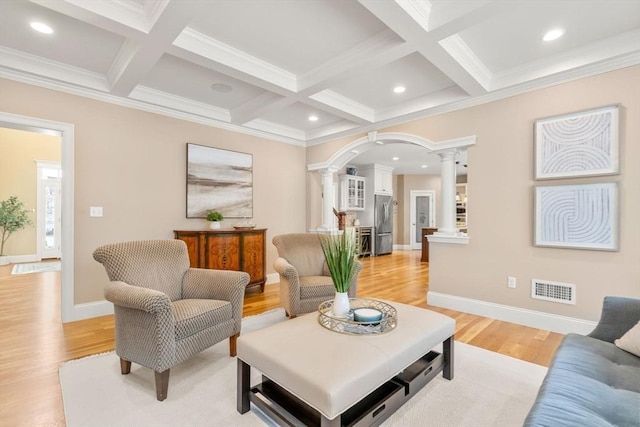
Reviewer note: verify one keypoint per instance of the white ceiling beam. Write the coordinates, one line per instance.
(396, 18)
(381, 49)
(136, 59)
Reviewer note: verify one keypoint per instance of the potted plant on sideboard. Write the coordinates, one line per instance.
(214, 217)
(13, 217)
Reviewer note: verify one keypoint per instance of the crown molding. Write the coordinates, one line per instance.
(30, 64)
(186, 105)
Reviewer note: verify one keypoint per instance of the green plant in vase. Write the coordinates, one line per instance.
(13, 217)
(340, 255)
(215, 217)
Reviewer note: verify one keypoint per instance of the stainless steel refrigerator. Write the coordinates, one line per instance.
(383, 221)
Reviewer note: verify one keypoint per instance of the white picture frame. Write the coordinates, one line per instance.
(579, 216)
(579, 144)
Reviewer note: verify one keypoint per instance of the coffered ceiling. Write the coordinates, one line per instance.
(264, 67)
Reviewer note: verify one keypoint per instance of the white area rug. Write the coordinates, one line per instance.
(36, 267)
(488, 389)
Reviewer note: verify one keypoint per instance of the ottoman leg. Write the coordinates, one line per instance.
(244, 374)
(447, 351)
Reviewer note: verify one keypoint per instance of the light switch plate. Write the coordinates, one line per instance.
(95, 211)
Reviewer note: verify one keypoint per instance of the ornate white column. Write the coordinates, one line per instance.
(328, 199)
(448, 193)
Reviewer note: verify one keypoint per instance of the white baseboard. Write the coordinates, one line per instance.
(89, 310)
(272, 278)
(522, 316)
(16, 259)
(402, 248)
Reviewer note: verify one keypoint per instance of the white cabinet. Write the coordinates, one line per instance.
(352, 191)
(379, 177)
(383, 181)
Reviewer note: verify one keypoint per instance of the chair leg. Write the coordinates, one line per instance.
(232, 345)
(162, 384)
(125, 366)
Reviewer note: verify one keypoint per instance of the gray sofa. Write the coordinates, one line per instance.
(591, 382)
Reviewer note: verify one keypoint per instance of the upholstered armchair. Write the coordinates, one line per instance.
(165, 311)
(305, 281)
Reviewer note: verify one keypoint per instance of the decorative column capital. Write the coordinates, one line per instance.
(450, 154)
(328, 171)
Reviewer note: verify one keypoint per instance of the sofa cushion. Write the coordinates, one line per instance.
(630, 341)
(590, 383)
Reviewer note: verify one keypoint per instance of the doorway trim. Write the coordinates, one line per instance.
(413, 194)
(66, 131)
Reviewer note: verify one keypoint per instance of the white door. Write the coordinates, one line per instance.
(423, 208)
(49, 210)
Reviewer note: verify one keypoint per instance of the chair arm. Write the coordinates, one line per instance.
(619, 314)
(282, 267)
(224, 285)
(138, 298)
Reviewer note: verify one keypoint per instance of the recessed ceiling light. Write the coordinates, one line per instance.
(221, 87)
(396, 158)
(355, 151)
(423, 166)
(554, 34)
(399, 89)
(41, 28)
(313, 118)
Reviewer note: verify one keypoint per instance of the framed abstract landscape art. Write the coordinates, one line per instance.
(219, 180)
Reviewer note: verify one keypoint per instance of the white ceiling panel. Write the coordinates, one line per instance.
(73, 42)
(297, 116)
(374, 88)
(296, 36)
(515, 37)
(179, 77)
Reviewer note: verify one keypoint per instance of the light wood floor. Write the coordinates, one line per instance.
(34, 342)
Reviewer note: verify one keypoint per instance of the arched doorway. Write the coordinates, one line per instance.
(447, 150)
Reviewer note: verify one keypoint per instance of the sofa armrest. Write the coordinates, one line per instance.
(619, 314)
(136, 297)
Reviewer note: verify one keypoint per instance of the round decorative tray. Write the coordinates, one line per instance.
(348, 325)
(237, 227)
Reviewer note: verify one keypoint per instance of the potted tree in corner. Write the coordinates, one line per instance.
(215, 217)
(340, 254)
(13, 217)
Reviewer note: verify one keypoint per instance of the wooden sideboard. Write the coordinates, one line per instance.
(228, 249)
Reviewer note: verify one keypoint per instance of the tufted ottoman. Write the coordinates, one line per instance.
(315, 376)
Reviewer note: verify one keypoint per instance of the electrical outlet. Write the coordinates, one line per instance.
(511, 282)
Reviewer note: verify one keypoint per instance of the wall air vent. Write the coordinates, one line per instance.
(553, 291)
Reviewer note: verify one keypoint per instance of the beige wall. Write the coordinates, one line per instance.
(133, 163)
(19, 151)
(500, 186)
